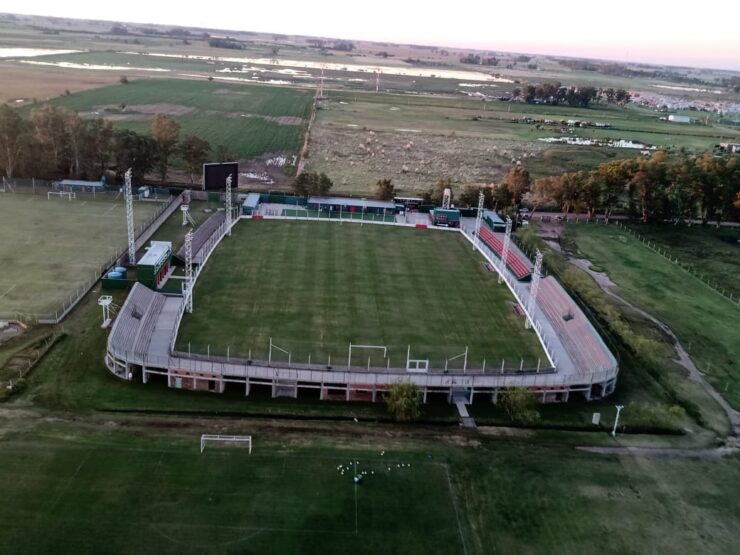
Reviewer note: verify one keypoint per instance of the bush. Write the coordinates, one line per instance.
(404, 401)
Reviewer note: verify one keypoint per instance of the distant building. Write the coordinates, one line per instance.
(679, 119)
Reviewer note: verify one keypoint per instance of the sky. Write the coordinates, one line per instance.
(701, 34)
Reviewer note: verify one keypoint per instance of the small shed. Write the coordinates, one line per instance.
(675, 118)
(445, 217)
(250, 204)
(154, 267)
(494, 220)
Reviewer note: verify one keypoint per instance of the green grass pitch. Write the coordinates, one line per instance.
(314, 287)
(137, 498)
(49, 248)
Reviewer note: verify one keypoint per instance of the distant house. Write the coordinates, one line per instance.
(679, 119)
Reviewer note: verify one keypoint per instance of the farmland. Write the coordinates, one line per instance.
(360, 138)
(252, 120)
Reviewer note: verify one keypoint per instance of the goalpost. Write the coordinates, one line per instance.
(218, 438)
(69, 195)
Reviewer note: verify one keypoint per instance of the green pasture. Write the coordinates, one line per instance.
(705, 322)
(314, 287)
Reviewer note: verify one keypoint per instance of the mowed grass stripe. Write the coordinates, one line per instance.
(314, 287)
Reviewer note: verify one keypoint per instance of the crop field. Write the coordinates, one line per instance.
(50, 248)
(314, 287)
(705, 322)
(250, 119)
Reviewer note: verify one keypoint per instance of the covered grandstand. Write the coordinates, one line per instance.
(521, 266)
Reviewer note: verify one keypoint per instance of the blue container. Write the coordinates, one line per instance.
(121, 270)
(115, 275)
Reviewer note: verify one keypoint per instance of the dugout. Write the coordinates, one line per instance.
(154, 267)
(80, 186)
(445, 217)
(351, 205)
(494, 220)
(250, 204)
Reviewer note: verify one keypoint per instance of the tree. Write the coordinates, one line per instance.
(436, 193)
(135, 151)
(520, 405)
(165, 131)
(194, 151)
(98, 147)
(223, 154)
(517, 181)
(312, 183)
(385, 190)
(404, 401)
(12, 134)
(50, 131)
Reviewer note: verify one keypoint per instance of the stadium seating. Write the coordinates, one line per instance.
(521, 268)
(579, 338)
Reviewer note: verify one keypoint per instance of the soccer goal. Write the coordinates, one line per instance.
(69, 195)
(227, 440)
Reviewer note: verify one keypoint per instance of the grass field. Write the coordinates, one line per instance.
(315, 287)
(713, 252)
(137, 488)
(250, 119)
(705, 322)
(49, 248)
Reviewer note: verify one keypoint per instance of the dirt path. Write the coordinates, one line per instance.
(666, 452)
(551, 234)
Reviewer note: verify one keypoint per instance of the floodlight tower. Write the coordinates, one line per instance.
(229, 214)
(505, 250)
(129, 197)
(321, 84)
(446, 199)
(189, 271)
(478, 219)
(533, 289)
(377, 81)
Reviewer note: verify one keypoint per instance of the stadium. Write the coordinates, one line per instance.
(338, 298)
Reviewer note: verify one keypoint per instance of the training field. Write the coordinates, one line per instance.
(50, 248)
(314, 287)
(89, 497)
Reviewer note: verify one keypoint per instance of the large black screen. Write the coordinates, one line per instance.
(214, 175)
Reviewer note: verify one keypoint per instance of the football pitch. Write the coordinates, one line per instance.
(314, 287)
(87, 496)
(51, 247)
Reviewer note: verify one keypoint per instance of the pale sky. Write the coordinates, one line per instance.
(679, 32)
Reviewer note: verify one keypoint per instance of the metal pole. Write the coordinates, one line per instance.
(616, 420)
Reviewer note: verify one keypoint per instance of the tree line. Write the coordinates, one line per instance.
(56, 143)
(650, 189)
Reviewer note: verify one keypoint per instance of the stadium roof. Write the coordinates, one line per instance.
(344, 201)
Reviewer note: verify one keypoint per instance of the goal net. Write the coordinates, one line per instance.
(69, 195)
(237, 441)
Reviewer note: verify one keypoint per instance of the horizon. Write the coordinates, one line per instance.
(673, 44)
